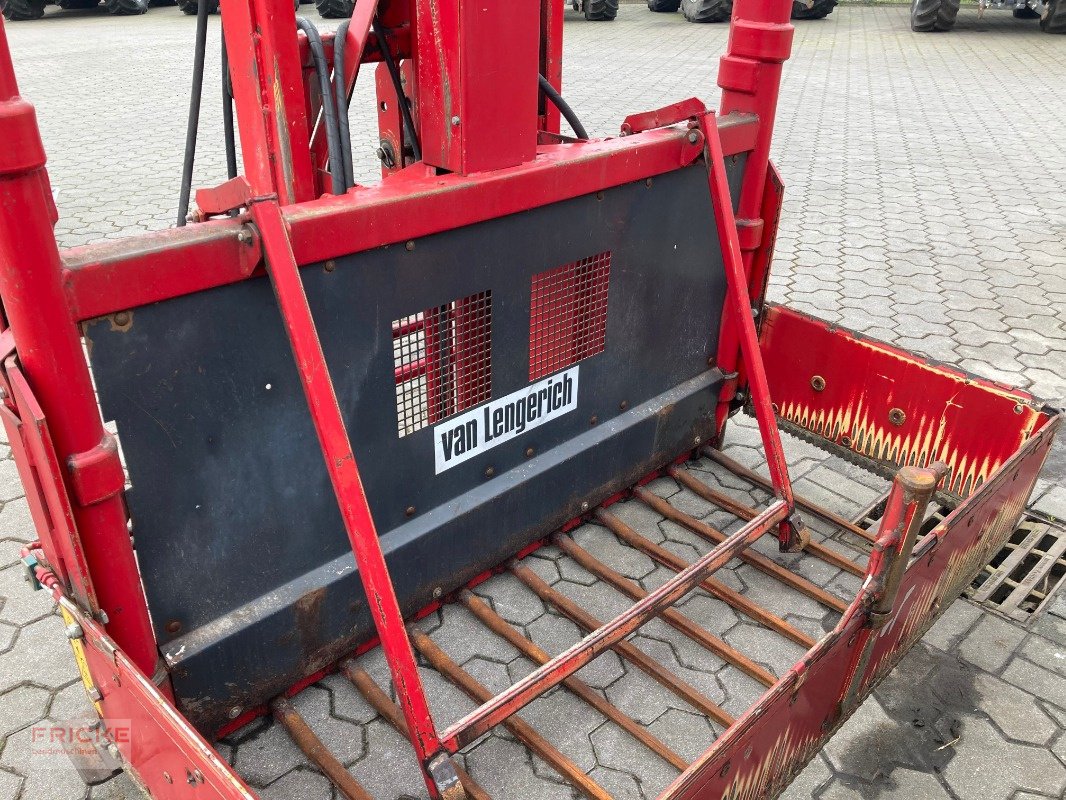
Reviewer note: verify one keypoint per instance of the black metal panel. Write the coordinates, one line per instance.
(238, 535)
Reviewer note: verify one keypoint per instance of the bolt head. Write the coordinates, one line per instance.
(693, 136)
(235, 712)
(585, 506)
(74, 631)
(455, 120)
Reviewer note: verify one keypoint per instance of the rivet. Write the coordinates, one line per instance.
(697, 440)
(1018, 409)
(725, 770)
(693, 137)
(409, 511)
(818, 383)
(846, 441)
(244, 236)
(585, 506)
(455, 120)
(167, 778)
(173, 626)
(648, 182)
(489, 472)
(529, 452)
(594, 420)
(235, 712)
(599, 195)
(897, 417)
(410, 245)
(437, 592)
(330, 265)
(623, 406)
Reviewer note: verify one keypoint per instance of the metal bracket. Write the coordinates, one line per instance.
(663, 117)
(96, 475)
(93, 757)
(442, 770)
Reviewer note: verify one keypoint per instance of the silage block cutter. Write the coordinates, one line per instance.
(348, 411)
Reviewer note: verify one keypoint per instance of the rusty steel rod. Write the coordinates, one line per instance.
(385, 706)
(605, 636)
(502, 628)
(746, 512)
(525, 732)
(306, 739)
(757, 560)
(671, 616)
(627, 650)
(819, 511)
(715, 587)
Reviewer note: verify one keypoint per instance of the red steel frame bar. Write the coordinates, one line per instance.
(791, 534)
(49, 348)
(571, 660)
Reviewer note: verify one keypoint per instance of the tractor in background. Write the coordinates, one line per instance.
(721, 10)
(939, 15)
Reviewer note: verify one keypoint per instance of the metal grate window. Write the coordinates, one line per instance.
(443, 361)
(568, 314)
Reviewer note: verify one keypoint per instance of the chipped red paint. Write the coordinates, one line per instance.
(886, 404)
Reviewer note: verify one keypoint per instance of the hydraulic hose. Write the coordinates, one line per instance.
(329, 111)
(397, 84)
(341, 92)
(227, 116)
(193, 125)
(563, 106)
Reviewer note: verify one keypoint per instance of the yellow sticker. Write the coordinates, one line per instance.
(78, 646)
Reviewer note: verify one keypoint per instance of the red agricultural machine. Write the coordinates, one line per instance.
(368, 433)
(940, 15)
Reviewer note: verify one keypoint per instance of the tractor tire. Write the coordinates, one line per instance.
(1025, 13)
(820, 9)
(601, 10)
(933, 15)
(664, 5)
(69, 5)
(19, 10)
(190, 7)
(334, 9)
(126, 8)
(1055, 19)
(707, 10)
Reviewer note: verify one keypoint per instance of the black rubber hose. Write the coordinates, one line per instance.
(227, 116)
(564, 107)
(193, 125)
(397, 84)
(329, 110)
(341, 93)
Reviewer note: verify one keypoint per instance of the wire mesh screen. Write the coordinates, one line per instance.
(443, 361)
(568, 314)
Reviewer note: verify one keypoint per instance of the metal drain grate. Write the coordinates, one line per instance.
(1030, 568)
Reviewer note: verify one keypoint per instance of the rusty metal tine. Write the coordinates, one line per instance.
(306, 739)
(498, 625)
(747, 513)
(671, 616)
(630, 652)
(525, 732)
(711, 585)
(750, 475)
(868, 510)
(385, 706)
(757, 560)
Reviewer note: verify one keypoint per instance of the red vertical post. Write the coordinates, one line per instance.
(478, 111)
(551, 60)
(50, 351)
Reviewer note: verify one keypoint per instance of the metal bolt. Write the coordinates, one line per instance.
(437, 592)
(123, 319)
(173, 626)
(102, 617)
(697, 441)
(330, 265)
(846, 441)
(693, 136)
(194, 777)
(74, 631)
(529, 452)
(623, 405)
(167, 778)
(1017, 409)
(489, 472)
(244, 236)
(594, 420)
(235, 712)
(648, 183)
(897, 417)
(410, 245)
(599, 195)
(95, 694)
(585, 506)
(409, 511)
(455, 120)
(818, 383)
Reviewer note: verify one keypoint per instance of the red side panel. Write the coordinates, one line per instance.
(890, 406)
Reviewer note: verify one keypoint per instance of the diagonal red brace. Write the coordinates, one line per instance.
(792, 535)
(348, 486)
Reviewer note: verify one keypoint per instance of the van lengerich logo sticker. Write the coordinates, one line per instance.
(461, 438)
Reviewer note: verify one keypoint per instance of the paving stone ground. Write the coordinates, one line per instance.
(925, 205)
